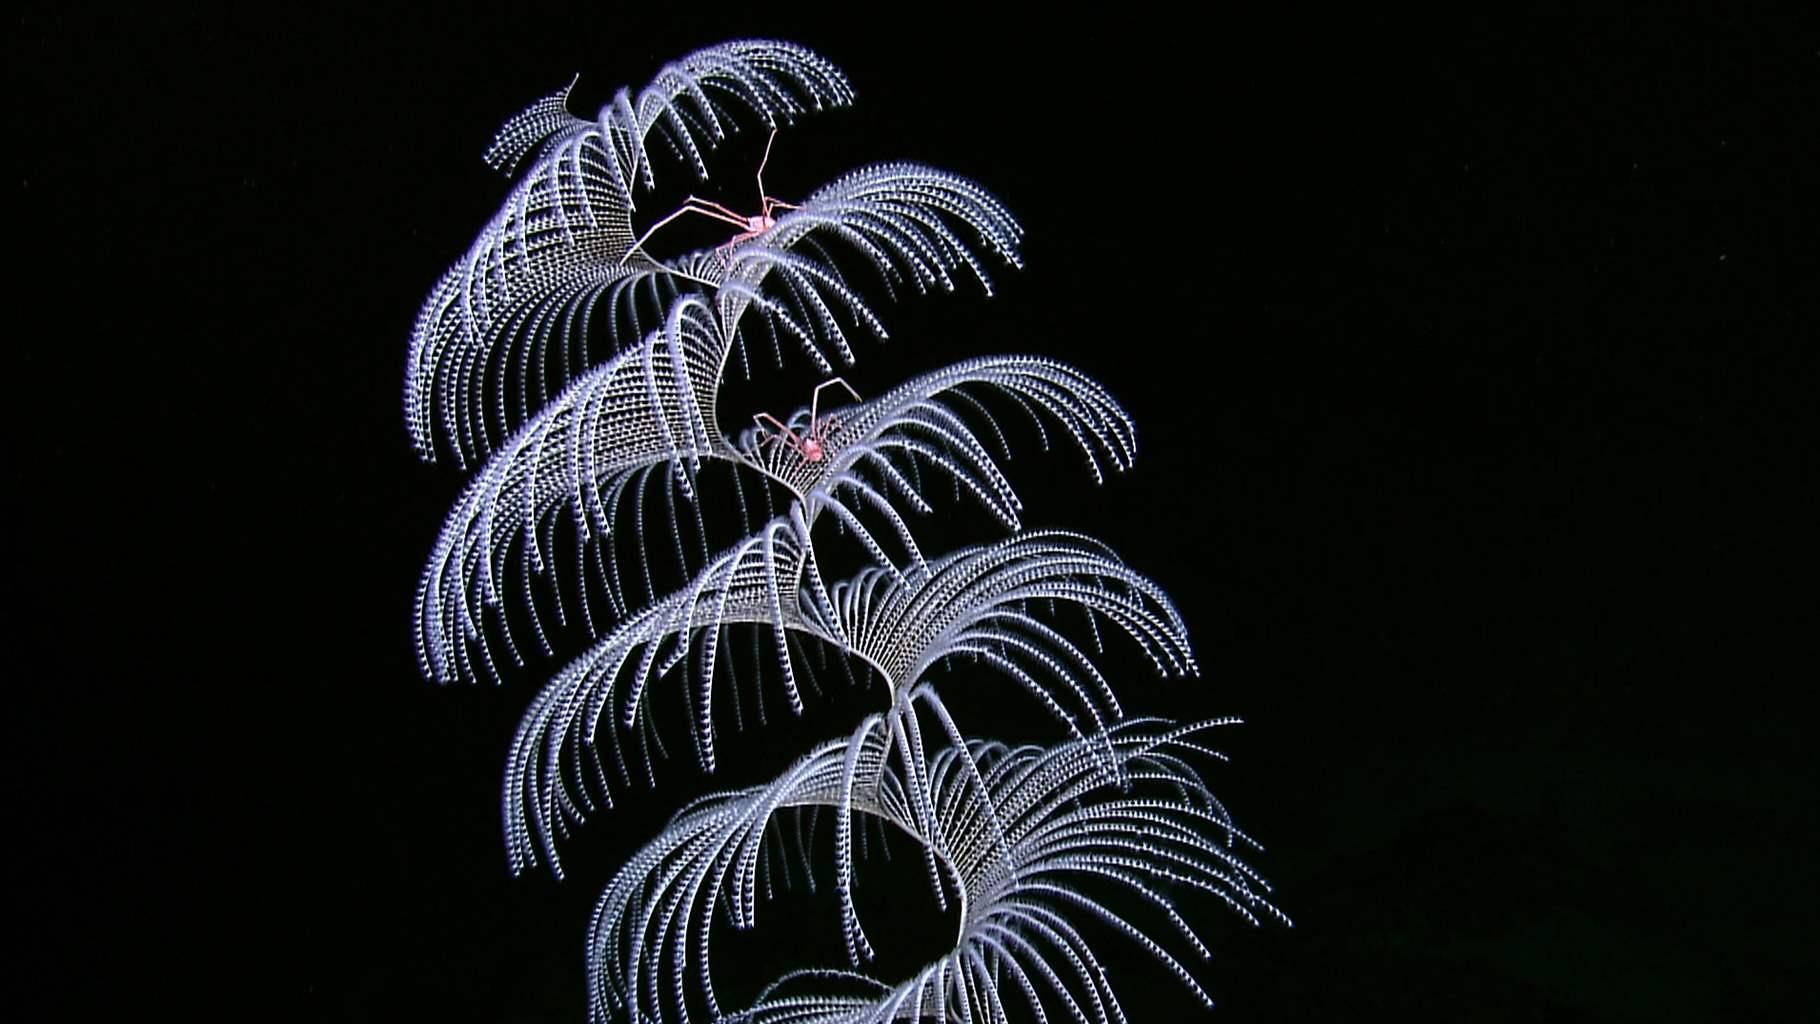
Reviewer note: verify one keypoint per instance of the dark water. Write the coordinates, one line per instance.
(1465, 361)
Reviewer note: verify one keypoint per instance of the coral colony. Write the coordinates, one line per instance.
(581, 375)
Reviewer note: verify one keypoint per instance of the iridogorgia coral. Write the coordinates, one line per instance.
(582, 376)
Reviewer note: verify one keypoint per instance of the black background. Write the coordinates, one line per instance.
(1468, 358)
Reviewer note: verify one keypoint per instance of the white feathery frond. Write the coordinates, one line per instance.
(987, 603)
(654, 406)
(527, 129)
(1032, 839)
(902, 217)
(557, 756)
(692, 100)
(991, 604)
(930, 420)
(912, 224)
(647, 407)
(514, 312)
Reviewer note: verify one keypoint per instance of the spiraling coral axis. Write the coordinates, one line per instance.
(583, 375)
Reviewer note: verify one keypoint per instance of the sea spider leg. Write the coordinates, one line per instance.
(782, 432)
(750, 227)
(693, 204)
(767, 203)
(815, 399)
